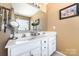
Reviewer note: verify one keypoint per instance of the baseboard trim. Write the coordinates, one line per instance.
(61, 53)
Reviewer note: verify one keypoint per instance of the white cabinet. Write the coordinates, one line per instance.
(48, 45)
(36, 52)
(26, 49)
(42, 46)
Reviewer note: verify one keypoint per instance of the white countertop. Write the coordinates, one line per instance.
(12, 43)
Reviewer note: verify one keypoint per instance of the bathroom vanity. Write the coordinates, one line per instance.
(41, 45)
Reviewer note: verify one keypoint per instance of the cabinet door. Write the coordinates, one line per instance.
(52, 47)
(20, 49)
(24, 49)
(36, 52)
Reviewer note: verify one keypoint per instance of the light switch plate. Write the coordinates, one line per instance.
(54, 27)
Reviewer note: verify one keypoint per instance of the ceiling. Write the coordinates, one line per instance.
(24, 9)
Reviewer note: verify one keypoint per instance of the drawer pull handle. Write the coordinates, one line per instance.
(44, 47)
(44, 41)
(31, 55)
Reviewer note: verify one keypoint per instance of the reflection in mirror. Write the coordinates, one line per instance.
(20, 23)
(24, 11)
(23, 25)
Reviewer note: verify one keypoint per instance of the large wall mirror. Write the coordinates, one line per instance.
(23, 15)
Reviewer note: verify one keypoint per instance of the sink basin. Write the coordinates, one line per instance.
(26, 39)
(23, 40)
(20, 42)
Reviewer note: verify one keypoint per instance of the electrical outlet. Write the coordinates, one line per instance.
(54, 27)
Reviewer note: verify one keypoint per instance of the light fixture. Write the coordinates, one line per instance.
(25, 9)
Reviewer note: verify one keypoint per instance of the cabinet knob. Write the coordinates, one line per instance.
(44, 47)
(31, 55)
(44, 41)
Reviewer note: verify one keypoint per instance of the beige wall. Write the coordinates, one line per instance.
(43, 7)
(42, 16)
(67, 29)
